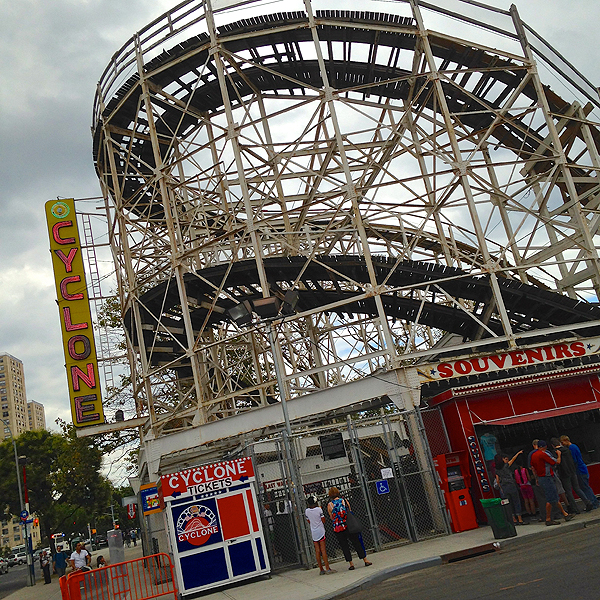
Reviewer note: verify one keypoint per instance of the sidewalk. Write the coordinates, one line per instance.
(52, 592)
(301, 584)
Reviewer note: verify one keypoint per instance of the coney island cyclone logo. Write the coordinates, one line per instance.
(196, 524)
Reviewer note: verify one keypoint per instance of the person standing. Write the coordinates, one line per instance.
(535, 484)
(338, 509)
(59, 561)
(316, 519)
(134, 537)
(583, 475)
(542, 463)
(567, 471)
(45, 566)
(522, 480)
(508, 487)
(80, 559)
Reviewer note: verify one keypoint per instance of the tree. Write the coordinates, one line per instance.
(64, 482)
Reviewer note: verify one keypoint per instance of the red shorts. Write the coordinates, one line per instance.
(527, 491)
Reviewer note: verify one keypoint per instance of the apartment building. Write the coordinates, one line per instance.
(13, 400)
(12, 534)
(36, 415)
(21, 416)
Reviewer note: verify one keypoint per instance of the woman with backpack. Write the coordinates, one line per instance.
(338, 509)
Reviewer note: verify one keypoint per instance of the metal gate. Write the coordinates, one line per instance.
(381, 465)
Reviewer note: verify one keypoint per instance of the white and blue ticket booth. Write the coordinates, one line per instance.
(213, 521)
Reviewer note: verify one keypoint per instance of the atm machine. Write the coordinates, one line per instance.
(455, 481)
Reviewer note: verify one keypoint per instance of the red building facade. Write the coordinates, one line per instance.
(517, 408)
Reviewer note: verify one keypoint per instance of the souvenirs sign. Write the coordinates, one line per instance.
(508, 360)
(75, 317)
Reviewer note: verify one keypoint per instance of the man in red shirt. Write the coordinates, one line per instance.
(542, 463)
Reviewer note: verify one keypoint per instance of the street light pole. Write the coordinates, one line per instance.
(280, 379)
(30, 577)
(304, 546)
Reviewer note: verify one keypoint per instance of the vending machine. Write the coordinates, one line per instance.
(214, 525)
(455, 482)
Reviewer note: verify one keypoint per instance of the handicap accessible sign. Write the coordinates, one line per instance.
(383, 487)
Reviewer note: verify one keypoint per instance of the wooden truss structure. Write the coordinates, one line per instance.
(392, 189)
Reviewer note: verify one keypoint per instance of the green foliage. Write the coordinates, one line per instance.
(64, 483)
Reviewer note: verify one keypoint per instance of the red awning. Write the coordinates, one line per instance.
(537, 415)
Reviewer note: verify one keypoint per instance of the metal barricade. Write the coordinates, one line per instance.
(138, 579)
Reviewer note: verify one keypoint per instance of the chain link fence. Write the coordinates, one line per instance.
(382, 465)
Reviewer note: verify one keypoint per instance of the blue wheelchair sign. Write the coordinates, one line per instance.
(383, 487)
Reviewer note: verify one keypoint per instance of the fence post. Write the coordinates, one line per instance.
(261, 500)
(364, 482)
(293, 476)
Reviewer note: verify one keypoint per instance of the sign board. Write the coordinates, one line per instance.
(149, 499)
(387, 473)
(213, 523)
(24, 515)
(507, 360)
(75, 316)
(383, 486)
(131, 511)
(332, 446)
(205, 479)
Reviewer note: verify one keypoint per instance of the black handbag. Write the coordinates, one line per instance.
(353, 524)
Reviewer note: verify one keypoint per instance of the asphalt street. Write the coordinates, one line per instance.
(562, 566)
(15, 579)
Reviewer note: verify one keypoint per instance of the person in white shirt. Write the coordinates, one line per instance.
(316, 519)
(80, 559)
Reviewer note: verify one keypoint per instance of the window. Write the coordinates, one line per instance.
(5, 531)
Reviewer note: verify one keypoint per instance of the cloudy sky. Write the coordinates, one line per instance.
(52, 54)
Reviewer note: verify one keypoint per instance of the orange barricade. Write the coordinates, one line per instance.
(139, 579)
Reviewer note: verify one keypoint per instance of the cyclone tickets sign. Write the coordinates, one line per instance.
(205, 479)
(508, 360)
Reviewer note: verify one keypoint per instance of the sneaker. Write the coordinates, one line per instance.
(330, 571)
(548, 523)
(323, 572)
(569, 518)
(589, 508)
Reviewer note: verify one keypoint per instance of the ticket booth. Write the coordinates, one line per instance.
(455, 480)
(213, 524)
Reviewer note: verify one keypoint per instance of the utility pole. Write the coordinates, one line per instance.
(30, 575)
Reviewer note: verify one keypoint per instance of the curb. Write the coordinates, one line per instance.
(367, 582)
(379, 576)
(548, 532)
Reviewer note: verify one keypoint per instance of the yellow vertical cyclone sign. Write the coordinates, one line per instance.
(75, 316)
